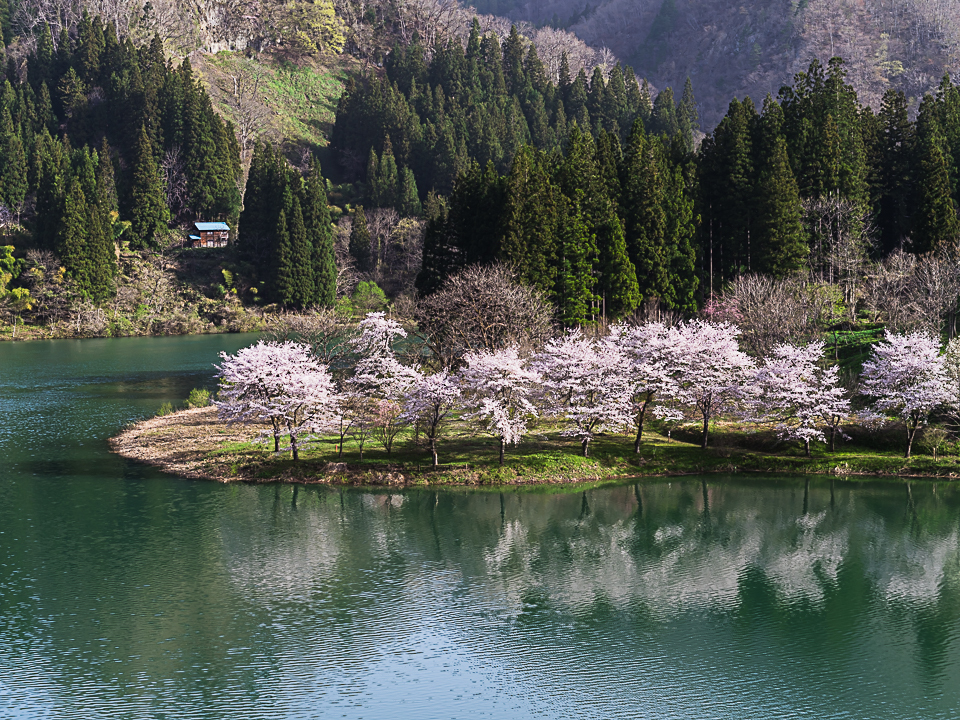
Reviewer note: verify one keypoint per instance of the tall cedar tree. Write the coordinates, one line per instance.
(148, 214)
(360, 244)
(937, 228)
(779, 238)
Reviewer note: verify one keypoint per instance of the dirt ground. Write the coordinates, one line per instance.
(181, 443)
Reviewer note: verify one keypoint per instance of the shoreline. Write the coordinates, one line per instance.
(193, 444)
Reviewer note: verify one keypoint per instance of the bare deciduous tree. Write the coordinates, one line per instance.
(482, 308)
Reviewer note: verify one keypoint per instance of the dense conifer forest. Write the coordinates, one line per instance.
(103, 141)
(598, 196)
(598, 191)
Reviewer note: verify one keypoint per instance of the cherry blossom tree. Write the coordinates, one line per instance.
(799, 396)
(708, 371)
(499, 388)
(584, 383)
(907, 377)
(380, 381)
(647, 374)
(429, 402)
(280, 383)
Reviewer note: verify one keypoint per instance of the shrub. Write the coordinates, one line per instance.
(166, 409)
(198, 398)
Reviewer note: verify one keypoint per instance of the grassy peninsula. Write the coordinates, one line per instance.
(195, 444)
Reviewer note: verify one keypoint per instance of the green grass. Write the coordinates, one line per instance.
(303, 98)
(545, 458)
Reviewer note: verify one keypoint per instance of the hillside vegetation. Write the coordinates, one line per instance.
(738, 49)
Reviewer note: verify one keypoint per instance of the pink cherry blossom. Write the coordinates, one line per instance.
(280, 383)
(584, 384)
(799, 396)
(499, 388)
(907, 377)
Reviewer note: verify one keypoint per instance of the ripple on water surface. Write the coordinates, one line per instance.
(124, 593)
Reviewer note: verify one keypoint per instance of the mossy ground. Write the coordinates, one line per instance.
(544, 457)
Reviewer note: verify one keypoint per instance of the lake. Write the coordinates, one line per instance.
(126, 593)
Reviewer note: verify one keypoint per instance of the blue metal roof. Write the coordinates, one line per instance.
(195, 237)
(211, 226)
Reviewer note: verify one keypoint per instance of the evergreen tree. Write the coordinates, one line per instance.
(359, 246)
(13, 165)
(663, 118)
(148, 209)
(72, 236)
(316, 217)
(387, 181)
(439, 252)
(283, 277)
(301, 252)
(408, 203)
(936, 227)
(893, 171)
(574, 296)
(779, 238)
(688, 117)
(106, 186)
(532, 221)
(101, 254)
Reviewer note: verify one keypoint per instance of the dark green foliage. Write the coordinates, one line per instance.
(317, 220)
(481, 104)
(408, 199)
(149, 213)
(936, 228)
(780, 245)
(302, 256)
(892, 181)
(359, 246)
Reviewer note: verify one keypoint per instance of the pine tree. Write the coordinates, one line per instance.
(688, 118)
(894, 171)
(936, 227)
(531, 221)
(663, 118)
(316, 217)
(359, 245)
(13, 165)
(106, 186)
(617, 285)
(283, 277)
(148, 208)
(301, 252)
(387, 181)
(778, 237)
(408, 201)
(101, 253)
(72, 236)
(439, 252)
(574, 295)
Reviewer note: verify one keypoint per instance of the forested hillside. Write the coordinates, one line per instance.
(734, 49)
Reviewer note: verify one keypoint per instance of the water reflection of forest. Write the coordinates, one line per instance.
(672, 545)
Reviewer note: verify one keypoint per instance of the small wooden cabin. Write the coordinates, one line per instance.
(210, 234)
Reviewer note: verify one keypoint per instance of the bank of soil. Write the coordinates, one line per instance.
(196, 444)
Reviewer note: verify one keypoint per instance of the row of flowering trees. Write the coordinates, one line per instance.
(694, 371)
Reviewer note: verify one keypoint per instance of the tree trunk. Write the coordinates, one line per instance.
(911, 433)
(433, 451)
(806, 446)
(706, 429)
(502, 444)
(586, 447)
(293, 446)
(640, 416)
(833, 438)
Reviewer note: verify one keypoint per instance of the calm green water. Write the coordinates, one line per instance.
(128, 594)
